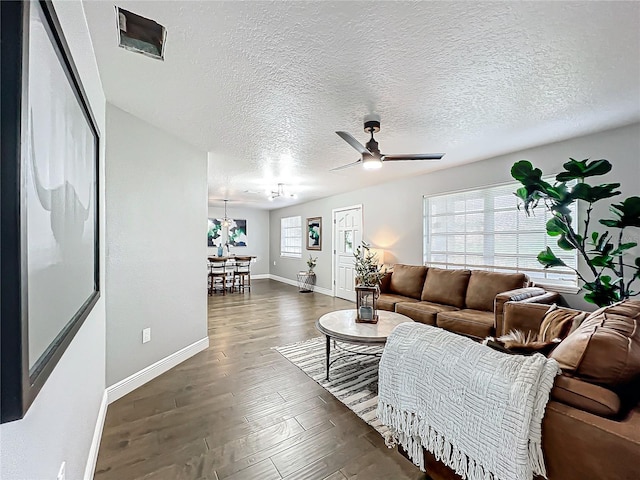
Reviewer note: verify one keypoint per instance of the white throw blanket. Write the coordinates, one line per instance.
(479, 411)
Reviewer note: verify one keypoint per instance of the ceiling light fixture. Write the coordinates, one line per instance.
(371, 162)
(225, 221)
(280, 192)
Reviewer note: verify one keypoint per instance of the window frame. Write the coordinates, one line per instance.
(286, 251)
(489, 191)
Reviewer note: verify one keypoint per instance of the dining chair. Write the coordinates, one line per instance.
(230, 266)
(242, 273)
(217, 275)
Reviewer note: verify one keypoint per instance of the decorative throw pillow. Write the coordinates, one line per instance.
(559, 323)
(555, 327)
(517, 341)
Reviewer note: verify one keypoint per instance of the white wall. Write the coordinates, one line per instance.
(60, 423)
(257, 235)
(393, 214)
(156, 244)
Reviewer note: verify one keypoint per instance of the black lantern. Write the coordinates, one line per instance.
(367, 304)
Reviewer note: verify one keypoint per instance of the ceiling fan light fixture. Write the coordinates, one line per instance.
(369, 162)
(372, 158)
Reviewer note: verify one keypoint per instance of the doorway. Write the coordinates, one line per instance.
(347, 237)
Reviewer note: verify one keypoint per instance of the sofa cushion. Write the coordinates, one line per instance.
(385, 282)
(605, 348)
(484, 286)
(407, 280)
(388, 301)
(585, 396)
(423, 312)
(474, 323)
(447, 287)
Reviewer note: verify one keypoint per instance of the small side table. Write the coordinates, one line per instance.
(306, 281)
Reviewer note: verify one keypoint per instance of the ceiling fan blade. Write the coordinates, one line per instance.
(410, 156)
(347, 137)
(346, 166)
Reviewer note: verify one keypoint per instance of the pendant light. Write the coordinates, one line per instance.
(225, 220)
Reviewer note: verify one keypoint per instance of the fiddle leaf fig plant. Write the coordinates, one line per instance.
(611, 274)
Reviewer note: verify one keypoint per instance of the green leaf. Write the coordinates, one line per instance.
(594, 237)
(602, 261)
(606, 190)
(610, 223)
(624, 246)
(578, 170)
(524, 171)
(637, 262)
(604, 238)
(555, 226)
(565, 244)
(548, 259)
(522, 193)
(601, 293)
(584, 191)
(628, 211)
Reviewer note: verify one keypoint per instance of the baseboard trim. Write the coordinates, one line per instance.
(316, 289)
(260, 276)
(90, 468)
(129, 384)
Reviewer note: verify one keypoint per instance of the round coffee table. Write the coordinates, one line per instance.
(341, 326)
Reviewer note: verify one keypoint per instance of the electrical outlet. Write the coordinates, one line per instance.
(146, 335)
(62, 474)
(274, 263)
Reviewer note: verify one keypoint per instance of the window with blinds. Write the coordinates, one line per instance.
(483, 229)
(291, 237)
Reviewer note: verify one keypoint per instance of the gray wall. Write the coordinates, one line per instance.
(393, 211)
(156, 247)
(60, 424)
(257, 235)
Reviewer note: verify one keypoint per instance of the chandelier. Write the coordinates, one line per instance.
(280, 192)
(225, 221)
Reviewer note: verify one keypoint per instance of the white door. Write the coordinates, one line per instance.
(347, 236)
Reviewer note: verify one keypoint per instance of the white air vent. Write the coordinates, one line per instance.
(139, 34)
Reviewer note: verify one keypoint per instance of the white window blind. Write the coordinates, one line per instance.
(483, 229)
(291, 237)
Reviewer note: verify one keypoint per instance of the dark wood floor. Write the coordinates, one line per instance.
(240, 410)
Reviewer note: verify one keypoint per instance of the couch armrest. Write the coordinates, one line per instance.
(385, 283)
(523, 316)
(520, 295)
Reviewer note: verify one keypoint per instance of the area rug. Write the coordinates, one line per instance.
(353, 378)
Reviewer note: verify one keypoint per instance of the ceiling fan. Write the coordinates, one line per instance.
(371, 156)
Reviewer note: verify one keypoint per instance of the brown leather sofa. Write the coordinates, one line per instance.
(591, 426)
(468, 302)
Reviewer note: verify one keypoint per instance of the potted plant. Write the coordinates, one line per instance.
(368, 276)
(311, 263)
(611, 273)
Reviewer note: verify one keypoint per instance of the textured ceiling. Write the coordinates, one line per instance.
(262, 86)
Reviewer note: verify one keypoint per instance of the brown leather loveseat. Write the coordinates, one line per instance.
(468, 302)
